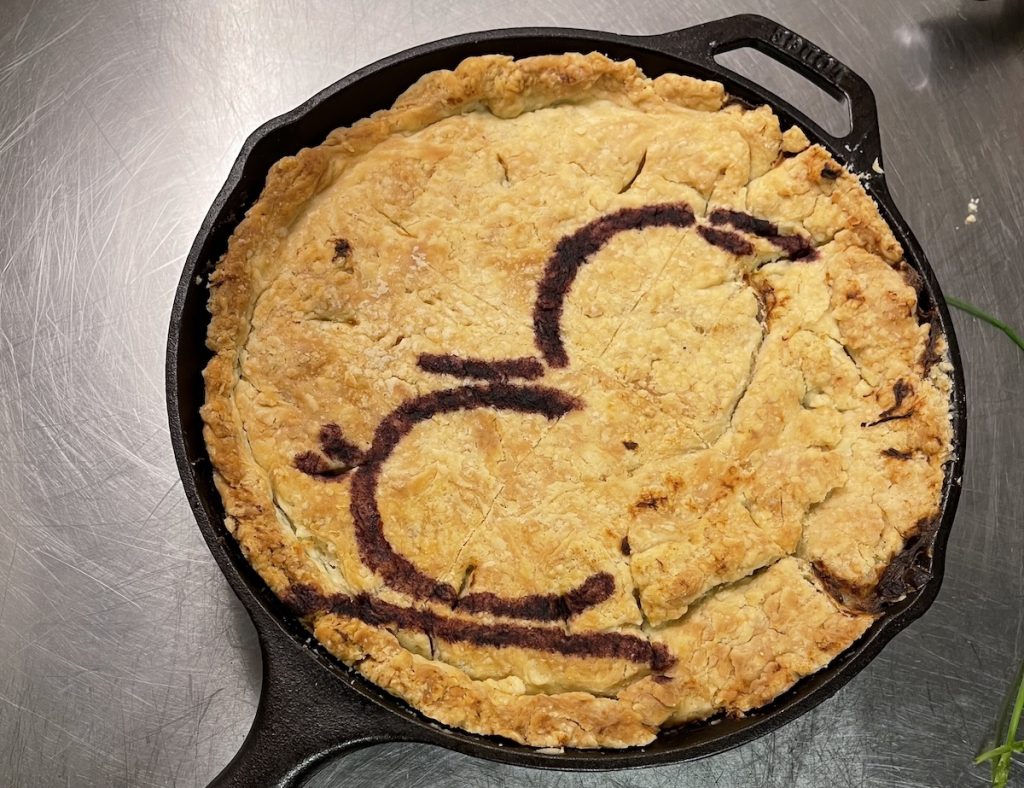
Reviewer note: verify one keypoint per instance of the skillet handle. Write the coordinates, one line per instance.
(305, 716)
(702, 42)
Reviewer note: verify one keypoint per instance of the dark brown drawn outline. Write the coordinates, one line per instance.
(573, 251)
(527, 368)
(339, 457)
(397, 571)
(305, 600)
(796, 247)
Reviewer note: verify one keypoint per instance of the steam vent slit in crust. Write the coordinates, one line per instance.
(569, 405)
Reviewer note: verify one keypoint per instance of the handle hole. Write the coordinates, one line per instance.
(831, 114)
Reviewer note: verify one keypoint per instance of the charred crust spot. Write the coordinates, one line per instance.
(767, 300)
(630, 445)
(896, 454)
(834, 587)
(886, 418)
(651, 501)
(853, 294)
(910, 569)
(527, 368)
(724, 239)
(900, 391)
(931, 356)
(843, 593)
(305, 601)
(575, 250)
(829, 172)
(735, 101)
(624, 546)
(911, 277)
(926, 314)
(342, 249)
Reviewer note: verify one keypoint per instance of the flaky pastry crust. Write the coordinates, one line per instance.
(568, 404)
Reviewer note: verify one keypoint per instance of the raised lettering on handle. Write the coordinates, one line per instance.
(808, 53)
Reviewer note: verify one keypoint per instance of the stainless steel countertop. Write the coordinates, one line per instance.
(124, 657)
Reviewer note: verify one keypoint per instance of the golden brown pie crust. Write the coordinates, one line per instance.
(568, 404)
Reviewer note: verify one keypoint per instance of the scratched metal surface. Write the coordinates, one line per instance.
(124, 658)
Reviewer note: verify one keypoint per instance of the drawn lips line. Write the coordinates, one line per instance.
(305, 600)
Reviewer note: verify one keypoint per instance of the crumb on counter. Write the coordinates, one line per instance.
(972, 210)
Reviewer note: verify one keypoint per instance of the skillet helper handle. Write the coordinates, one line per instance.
(305, 716)
(701, 43)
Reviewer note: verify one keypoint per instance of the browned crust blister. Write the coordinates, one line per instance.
(567, 404)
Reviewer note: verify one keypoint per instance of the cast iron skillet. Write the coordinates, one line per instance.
(312, 706)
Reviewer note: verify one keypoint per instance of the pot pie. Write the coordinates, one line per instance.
(569, 405)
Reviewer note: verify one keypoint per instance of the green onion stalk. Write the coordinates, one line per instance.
(1001, 755)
